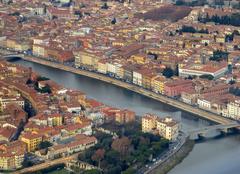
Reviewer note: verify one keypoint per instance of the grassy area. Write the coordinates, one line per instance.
(61, 171)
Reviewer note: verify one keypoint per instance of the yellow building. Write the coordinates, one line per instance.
(11, 160)
(18, 45)
(12, 155)
(88, 59)
(220, 39)
(159, 84)
(120, 72)
(147, 80)
(149, 123)
(10, 43)
(102, 66)
(165, 127)
(31, 140)
(6, 162)
(139, 58)
(119, 43)
(55, 120)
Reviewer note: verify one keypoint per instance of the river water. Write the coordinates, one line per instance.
(216, 156)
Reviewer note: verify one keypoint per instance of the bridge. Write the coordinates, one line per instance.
(222, 128)
(11, 56)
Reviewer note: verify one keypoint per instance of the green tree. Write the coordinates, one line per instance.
(168, 72)
(44, 145)
(112, 157)
(207, 76)
(42, 78)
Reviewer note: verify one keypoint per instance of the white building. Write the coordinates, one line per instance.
(216, 71)
(137, 78)
(233, 110)
(168, 128)
(111, 68)
(5, 101)
(204, 104)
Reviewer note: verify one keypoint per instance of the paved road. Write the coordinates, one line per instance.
(173, 102)
(47, 164)
(164, 99)
(175, 147)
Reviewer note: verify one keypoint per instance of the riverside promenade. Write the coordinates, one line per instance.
(164, 99)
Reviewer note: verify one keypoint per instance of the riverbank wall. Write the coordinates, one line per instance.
(164, 99)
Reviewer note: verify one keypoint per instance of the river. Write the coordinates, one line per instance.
(216, 156)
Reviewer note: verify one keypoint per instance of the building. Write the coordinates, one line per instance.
(159, 84)
(233, 110)
(168, 128)
(39, 50)
(125, 116)
(78, 143)
(31, 140)
(176, 87)
(55, 120)
(102, 66)
(87, 59)
(11, 160)
(149, 123)
(189, 97)
(4, 101)
(216, 69)
(12, 155)
(47, 120)
(137, 78)
(165, 127)
(204, 103)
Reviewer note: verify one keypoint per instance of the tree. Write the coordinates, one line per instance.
(188, 29)
(29, 81)
(219, 56)
(112, 157)
(207, 76)
(232, 82)
(42, 78)
(105, 6)
(27, 163)
(44, 145)
(113, 21)
(98, 156)
(122, 145)
(168, 72)
(116, 169)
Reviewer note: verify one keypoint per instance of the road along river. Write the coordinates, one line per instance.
(217, 156)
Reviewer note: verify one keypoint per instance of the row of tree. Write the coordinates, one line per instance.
(190, 29)
(232, 19)
(219, 56)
